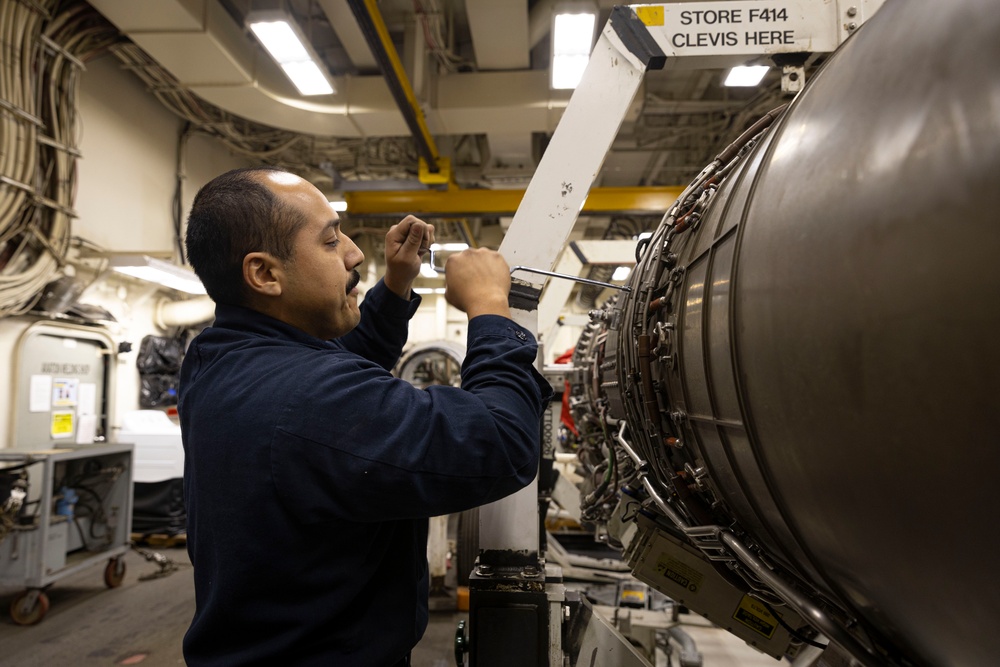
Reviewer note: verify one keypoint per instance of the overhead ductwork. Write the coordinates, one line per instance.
(499, 34)
(211, 55)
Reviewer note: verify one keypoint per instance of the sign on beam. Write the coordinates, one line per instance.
(745, 27)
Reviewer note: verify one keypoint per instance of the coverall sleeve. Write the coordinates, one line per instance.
(376, 448)
(382, 331)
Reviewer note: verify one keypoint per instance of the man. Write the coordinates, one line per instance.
(310, 471)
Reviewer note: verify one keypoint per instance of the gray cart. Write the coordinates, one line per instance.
(55, 537)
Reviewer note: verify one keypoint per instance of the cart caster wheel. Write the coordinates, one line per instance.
(114, 573)
(29, 607)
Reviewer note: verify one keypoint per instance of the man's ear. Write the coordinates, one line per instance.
(262, 273)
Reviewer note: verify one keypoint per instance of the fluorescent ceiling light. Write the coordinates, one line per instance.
(567, 71)
(158, 271)
(572, 42)
(429, 290)
(621, 273)
(573, 33)
(746, 76)
(338, 205)
(307, 77)
(280, 40)
(285, 42)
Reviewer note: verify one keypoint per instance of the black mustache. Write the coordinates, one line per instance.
(355, 279)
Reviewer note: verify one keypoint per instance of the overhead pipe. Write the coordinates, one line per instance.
(185, 313)
(377, 35)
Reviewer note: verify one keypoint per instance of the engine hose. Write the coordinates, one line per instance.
(763, 123)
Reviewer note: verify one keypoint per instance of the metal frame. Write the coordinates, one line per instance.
(456, 202)
(36, 575)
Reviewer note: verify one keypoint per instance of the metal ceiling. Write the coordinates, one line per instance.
(479, 70)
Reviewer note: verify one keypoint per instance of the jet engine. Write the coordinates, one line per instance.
(796, 408)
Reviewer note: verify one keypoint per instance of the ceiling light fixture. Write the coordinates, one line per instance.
(572, 42)
(746, 76)
(284, 41)
(158, 271)
(338, 205)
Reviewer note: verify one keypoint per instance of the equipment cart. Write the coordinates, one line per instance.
(68, 509)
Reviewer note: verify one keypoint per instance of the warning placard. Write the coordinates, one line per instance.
(678, 572)
(742, 27)
(753, 614)
(62, 424)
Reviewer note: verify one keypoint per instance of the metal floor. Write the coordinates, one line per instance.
(142, 622)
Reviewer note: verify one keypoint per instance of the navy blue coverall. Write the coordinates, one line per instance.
(310, 472)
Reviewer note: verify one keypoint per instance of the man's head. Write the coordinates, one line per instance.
(268, 240)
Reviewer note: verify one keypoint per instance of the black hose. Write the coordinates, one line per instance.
(793, 632)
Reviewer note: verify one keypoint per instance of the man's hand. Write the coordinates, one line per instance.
(405, 244)
(477, 282)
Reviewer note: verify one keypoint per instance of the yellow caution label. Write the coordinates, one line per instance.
(633, 596)
(649, 14)
(62, 424)
(753, 614)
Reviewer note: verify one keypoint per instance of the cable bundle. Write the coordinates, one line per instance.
(315, 157)
(43, 44)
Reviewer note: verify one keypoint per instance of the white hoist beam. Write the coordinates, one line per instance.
(550, 208)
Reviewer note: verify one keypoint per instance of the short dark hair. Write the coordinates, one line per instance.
(235, 214)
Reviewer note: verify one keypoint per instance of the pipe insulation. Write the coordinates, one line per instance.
(183, 313)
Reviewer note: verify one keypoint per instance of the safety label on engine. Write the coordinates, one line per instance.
(680, 573)
(753, 614)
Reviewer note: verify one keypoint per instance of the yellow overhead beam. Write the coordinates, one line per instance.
(469, 202)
